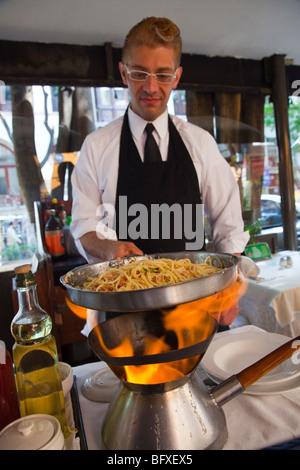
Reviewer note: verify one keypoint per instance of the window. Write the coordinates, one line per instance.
(253, 163)
(270, 211)
(110, 104)
(294, 124)
(105, 104)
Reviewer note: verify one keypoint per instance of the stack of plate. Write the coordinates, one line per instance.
(228, 354)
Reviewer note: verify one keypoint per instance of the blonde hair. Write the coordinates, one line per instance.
(153, 32)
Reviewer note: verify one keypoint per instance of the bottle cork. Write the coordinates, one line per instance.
(24, 277)
(26, 268)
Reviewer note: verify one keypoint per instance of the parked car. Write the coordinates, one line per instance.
(272, 218)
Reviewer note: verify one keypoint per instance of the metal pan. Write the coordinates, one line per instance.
(141, 325)
(156, 297)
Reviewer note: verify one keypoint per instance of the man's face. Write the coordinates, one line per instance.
(149, 99)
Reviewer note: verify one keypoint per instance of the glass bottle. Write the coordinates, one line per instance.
(45, 207)
(54, 236)
(55, 207)
(35, 357)
(62, 215)
(9, 404)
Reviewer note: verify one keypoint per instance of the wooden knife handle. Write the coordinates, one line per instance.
(257, 370)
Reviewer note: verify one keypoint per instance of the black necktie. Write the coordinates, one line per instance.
(152, 153)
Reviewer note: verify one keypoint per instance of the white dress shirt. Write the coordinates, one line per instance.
(95, 176)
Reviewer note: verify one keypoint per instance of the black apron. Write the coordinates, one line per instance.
(171, 182)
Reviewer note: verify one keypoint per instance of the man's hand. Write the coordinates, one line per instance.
(107, 249)
(229, 315)
(120, 249)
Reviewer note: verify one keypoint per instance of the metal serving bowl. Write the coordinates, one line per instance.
(156, 297)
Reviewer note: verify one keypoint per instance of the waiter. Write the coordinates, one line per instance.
(126, 171)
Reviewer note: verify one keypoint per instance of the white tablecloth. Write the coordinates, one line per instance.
(253, 421)
(272, 302)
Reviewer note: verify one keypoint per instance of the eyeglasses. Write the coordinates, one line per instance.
(141, 76)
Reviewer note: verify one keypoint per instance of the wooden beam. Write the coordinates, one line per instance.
(109, 61)
(31, 63)
(63, 64)
(52, 64)
(226, 74)
(286, 179)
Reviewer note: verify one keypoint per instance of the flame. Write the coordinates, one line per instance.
(192, 323)
(81, 312)
(216, 305)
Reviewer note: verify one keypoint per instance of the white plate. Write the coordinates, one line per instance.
(100, 386)
(232, 353)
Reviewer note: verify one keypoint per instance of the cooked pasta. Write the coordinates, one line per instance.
(149, 273)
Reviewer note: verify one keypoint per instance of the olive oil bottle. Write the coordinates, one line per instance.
(35, 354)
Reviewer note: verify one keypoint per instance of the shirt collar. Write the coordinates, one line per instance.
(137, 124)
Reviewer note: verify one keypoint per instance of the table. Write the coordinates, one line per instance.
(253, 421)
(272, 301)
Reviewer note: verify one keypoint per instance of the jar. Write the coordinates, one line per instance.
(33, 432)
(35, 356)
(9, 404)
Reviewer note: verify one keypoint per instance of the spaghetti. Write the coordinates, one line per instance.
(149, 273)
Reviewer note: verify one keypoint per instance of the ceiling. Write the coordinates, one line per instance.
(240, 28)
